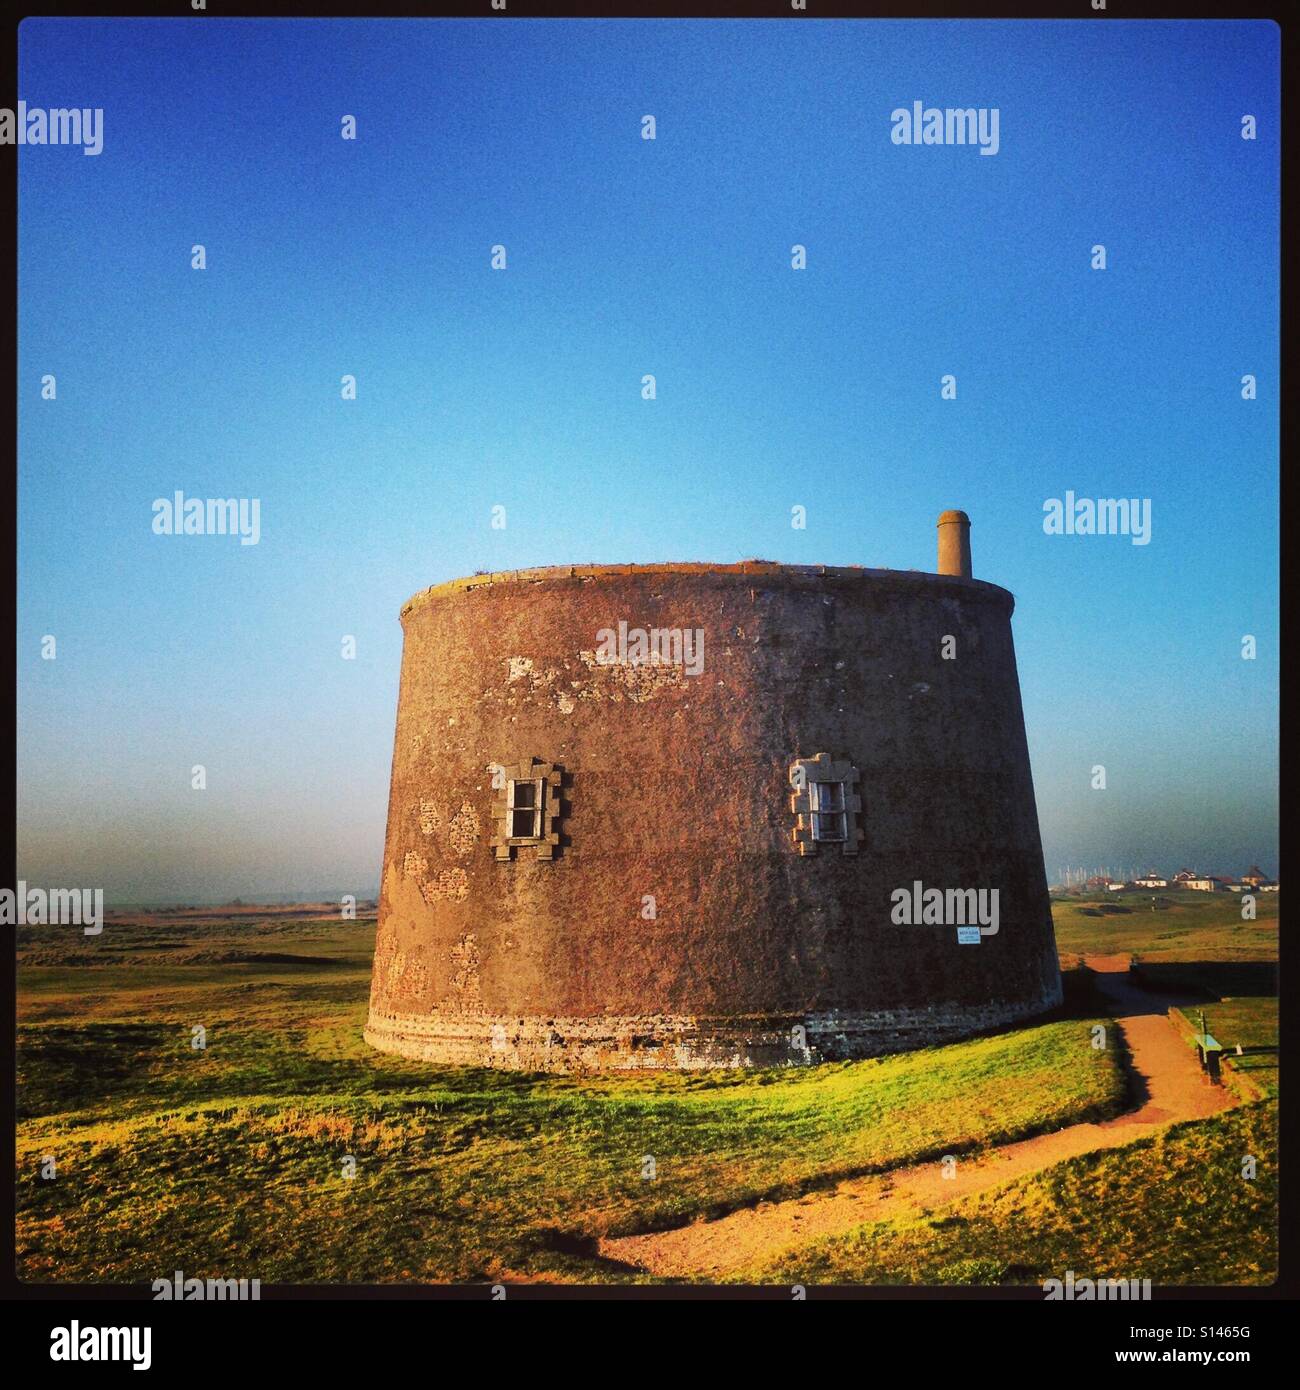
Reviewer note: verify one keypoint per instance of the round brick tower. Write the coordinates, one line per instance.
(709, 815)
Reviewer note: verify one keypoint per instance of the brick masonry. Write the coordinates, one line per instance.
(678, 787)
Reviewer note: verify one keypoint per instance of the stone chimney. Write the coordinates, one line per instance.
(954, 544)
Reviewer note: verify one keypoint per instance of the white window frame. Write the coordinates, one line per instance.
(538, 785)
(830, 817)
(836, 813)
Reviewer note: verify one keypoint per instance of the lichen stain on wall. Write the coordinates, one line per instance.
(595, 680)
(638, 682)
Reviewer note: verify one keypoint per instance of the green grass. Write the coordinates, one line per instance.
(230, 1160)
(473, 1173)
(1252, 1024)
(1185, 926)
(1175, 1209)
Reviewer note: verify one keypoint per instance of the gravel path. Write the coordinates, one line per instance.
(1171, 1089)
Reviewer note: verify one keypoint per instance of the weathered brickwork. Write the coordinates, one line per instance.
(675, 907)
(655, 1043)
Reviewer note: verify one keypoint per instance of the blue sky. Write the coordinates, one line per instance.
(521, 388)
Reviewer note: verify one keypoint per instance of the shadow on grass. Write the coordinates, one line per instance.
(1082, 997)
(62, 1066)
(1208, 980)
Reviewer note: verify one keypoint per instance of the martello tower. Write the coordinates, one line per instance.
(659, 816)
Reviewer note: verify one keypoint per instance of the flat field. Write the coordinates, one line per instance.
(283, 1148)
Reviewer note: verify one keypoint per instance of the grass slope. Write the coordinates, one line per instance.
(229, 1161)
(1175, 1209)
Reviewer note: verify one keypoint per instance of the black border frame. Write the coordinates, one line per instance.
(976, 1336)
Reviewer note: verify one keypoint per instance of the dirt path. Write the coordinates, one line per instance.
(1170, 1088)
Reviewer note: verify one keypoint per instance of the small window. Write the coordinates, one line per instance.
(525, 808)
(829, 821)
(826, 804)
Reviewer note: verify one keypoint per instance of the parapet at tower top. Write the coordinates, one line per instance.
(954, 563)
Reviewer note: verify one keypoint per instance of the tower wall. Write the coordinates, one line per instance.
(675, 787)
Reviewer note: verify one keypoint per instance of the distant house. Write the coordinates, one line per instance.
(1113, 887)
(1204, 883)
(1099, 881)
(1255, 876)
(1151, 881)
(1184, 876)
(1253, 882)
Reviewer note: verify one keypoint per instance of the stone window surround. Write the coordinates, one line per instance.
(808, 835)
(546, 779)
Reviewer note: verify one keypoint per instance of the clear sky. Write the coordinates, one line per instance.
(522, 388)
